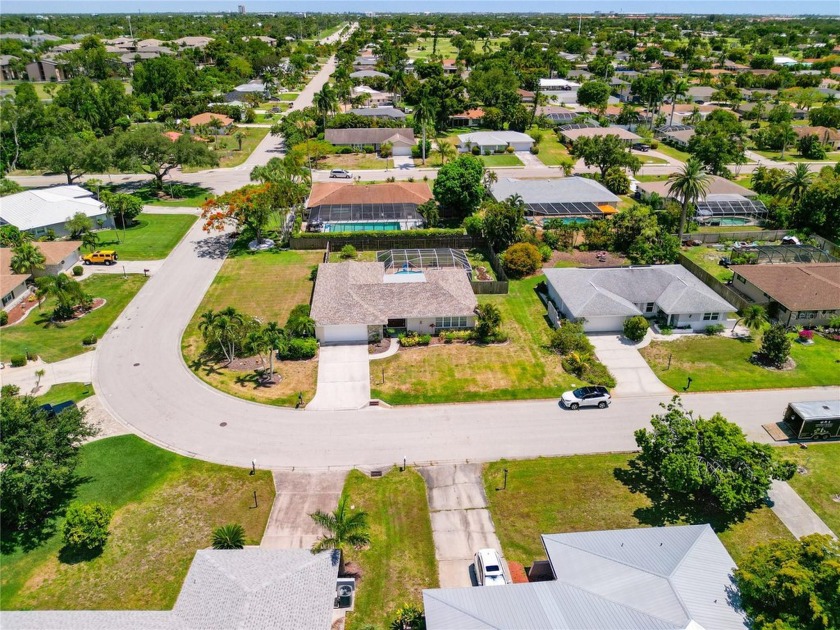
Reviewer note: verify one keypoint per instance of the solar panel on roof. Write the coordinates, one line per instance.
(579, 208)
(365, 212)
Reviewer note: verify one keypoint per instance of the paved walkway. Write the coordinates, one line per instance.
(299, 494)
(343, 378)
(78, 369)
(633, 375)
(530, 160)
(461, 522)
(797, 515)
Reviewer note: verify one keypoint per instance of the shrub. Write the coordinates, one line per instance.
(348, 252)
(368, 148)
(551, 239)
(635, 328)
(86, 526)
(617, 181)
(448, 336)
(78, 271)
(4, 318)
(775, 345)
(229, 537)
(488, 318)
(570, 338)
(654, 144)
(19, 360)
(715, 329)
(476, 150)
(299, 349)
(31, 355)
(587, 367)
(509, 149)
(545, 252)
(344, 150)
(411, 339)
(521, 259)
(89, 340)
(535, 150)
(474, 225)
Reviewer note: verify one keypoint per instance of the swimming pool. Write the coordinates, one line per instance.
(355, 226)
(733, 221)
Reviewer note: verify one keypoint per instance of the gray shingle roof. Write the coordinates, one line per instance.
(379, 135)
(560, 190)
(379, 112)
(615, 292)
(356, 293)
(367, 74)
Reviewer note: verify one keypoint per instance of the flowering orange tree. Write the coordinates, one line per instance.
(250, 207)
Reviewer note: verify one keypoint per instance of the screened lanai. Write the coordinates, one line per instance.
(405, 260)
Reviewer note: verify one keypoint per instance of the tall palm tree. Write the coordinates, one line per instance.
(396, 84)
(276, 339)
(787, 135)
(229, 537)
(796, 182)
(26, 258)
(678, 88)
(688, 185)
(343, 528)
(326, 101)
(424, 112)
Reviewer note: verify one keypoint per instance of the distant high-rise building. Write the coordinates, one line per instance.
(242, 9)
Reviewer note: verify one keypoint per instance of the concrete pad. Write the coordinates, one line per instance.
(343, 378)
(452, 487)
(634, 377)
(797, 515)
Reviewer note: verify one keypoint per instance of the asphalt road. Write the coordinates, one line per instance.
(142, 380)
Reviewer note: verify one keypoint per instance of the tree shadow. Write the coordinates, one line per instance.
(45, 320)
(74, 555)
(215, 247)
(207, 364)
(258, 378)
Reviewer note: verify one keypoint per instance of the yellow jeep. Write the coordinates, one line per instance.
(105, 257)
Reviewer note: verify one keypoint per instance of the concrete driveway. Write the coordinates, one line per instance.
(632, 373)
(343, 378)
(461, 522)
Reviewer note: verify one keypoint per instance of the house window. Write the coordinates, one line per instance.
(741, 279)
(442, 323)
(8, 297)
(711, 317)
(649, 307)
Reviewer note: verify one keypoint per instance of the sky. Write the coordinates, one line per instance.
(762, 7)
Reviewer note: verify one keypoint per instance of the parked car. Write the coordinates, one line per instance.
(790, 240)
(725, 262)
(644, 148)
(596, 396)
(340, 173)
(488, 568)
(101, 257)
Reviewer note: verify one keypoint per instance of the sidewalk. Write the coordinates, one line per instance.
(78, 369)
(797, 515)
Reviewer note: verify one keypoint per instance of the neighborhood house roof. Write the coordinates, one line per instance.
(808, 287)
(56, 251)
(470, 114)
(590, 132)
(330, 193)
(367, 74)
(660, 578)
(717, 186)
(8, 278)
(551, 191)
(616, 292)
(33, 209)
(379, 112)
(495, 138)
(825, 134)
(207, 117)
(399, 135)
(358, 293)
(548, 84)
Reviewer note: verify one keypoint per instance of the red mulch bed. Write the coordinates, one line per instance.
(587, 259)
(18, 312)
(517, 573)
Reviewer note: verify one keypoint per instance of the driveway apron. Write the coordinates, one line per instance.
(343, 378)
(633, 375)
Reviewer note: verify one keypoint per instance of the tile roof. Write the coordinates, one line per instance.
(380, 135)
(8, 278)
(206, 117)
(807, 287)
(41, 207)
(357, 293)
(616, 291)
(334, 193)
(471, 114)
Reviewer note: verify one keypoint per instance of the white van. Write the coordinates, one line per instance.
(488, 568)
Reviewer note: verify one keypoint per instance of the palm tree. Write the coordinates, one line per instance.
(229, 537)
(787, 135)
(68, 293)
(796, 182)
(424, 112)
(239, 136)
(26, 258)
(326, 101)
(754, 317)
(90, 240)
(342, 528)
(445, 150)
(679, 88)
(276, 339)
(689, 185)
(396, 84)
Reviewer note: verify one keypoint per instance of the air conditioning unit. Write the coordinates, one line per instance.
(345, 592)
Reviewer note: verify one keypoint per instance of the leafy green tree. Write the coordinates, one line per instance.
(503, 221)
(229, 537)
(825, 116)
(86, 525)
(91, 59)
(605, 152)
(9, 187)
(26, 258)
(430, 213)
(819, 205)
(90, 240)
(689, 185)
(458, 187)
(570, 338)
(635, 328)
(123, 207)
(344, 528)
(707, 462)
(811, 147)
(78, 225)
(718, 142)
(73, 155)
(594, 94)
(38, 456)
(488, 318)
(162, 79)
(775, 345)
(791, 584)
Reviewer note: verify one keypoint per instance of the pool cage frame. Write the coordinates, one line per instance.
(422, 259)
(751, 210)
(802, 254)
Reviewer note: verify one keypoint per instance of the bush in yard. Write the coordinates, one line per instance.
(86, 526)
(78, 271)
(509, 149)
(487, 320)
(300, 349)
(521, 259)
(31, 355)
(570, 338)
(587, 367)
(617, 181)
(535, 150)
(348, 252)
(412, 339)
(715, 329)
(476, 150)
(345, 150)
(89, 340)
(229, 537)
(4, 318)
(551, 239)
(635, 328)
(806, 335)
(775, 345)
(409, 617)
(19, 360)
(545, 252)
(368, 148)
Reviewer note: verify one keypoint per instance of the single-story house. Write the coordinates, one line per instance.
(388, 203)
(557, 85)
(368, 74)
(193, 42)
(526, 96)
(800, 294)
(13, 286)
(252, 87)
(570, 135)
(450, 66)
(679, 138)
(354, 301)
(59, 256)
(634, 579)
(207, 118)
(561, 198)
(401, 139)
(43, 209)
(784, 61)
(469, 118)
(44, 70)
(391, 113)
(365, 62)
(603, 298)
(255, 588)
(717, 186)
(490, 141)
(557, 114)
(827, 136)
(372, 97)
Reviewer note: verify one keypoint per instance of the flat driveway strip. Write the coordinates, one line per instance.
(343, 378)
(797, 515)
(633, 375)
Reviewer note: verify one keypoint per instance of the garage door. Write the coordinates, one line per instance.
(345, 334)
(604, 324)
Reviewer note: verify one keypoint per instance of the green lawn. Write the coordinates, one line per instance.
(650, 159)
(226, 148)
(584, 493)
(553, 152)
(670, 151)
(819, 483)
(502, 159)
(266, 285)
(792, 156)
(56, 394)
(707, 258)
(651, 178)
(173, 195)
(151, 238)
(166, 507)
(288, 96)
(445, 49)
(722, 363)
(400, 560)
(54, 342)
(519, 369)
(355, 161)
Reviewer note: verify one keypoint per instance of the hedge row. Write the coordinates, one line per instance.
(427, 233)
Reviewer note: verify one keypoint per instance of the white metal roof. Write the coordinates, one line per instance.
(33, 209)
(817, 409)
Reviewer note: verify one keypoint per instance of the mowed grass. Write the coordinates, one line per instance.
(553, 152)
(267, 285)
(357, 161)
(445, 49)
(519, 369)
(226, 148)
(503, 159)
(819, 484)
(176, 195)
(166, 507)
(400, 560)
(66, 391)
(582, 493)
(670, 151)
(152, 237)
(62, 340)
(707, 258)
(722, 363)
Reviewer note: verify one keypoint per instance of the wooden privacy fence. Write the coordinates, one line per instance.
(730, 295)
(490, 287)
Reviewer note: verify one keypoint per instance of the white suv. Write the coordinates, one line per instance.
(488, 568)
(586, 397)
(340, 173)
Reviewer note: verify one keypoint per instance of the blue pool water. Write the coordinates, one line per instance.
(354, 226)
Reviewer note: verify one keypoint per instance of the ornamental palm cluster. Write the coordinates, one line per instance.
(343, 527)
